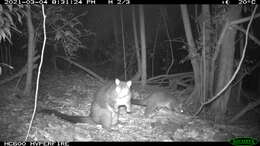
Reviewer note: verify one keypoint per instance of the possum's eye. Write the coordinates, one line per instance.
(129, 83)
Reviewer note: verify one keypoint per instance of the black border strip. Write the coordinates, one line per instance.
(123, 2)
(168, 1)
(48, 143)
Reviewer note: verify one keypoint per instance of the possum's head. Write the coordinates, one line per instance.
(123, 88)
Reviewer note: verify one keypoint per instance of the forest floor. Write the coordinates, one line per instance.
(72, 94)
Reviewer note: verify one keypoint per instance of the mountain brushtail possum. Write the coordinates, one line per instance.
(105, 106)
(158, 100)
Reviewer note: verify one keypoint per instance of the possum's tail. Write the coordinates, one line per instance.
(69, 118)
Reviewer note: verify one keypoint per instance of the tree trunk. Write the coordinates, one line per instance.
(143, 44)
(31, 50)
(115, 28)
(207, 81)
(195, 97)
(137, 47)
(238, 88)
(225, 64)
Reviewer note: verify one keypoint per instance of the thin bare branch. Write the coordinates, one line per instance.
(235, 22)
(252, 37)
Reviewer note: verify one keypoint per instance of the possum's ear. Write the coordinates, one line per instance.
(117, 81)
(129, 83)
